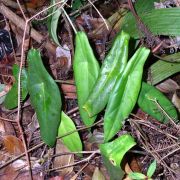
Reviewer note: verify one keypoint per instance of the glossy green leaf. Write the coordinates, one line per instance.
(124, 94)
(11, 100)
(151, 169)
(136, 176)
(113, 64)
(86, 70)
(71, 141)
(161, 70)
(44, 96)
(116, 149)
(53, 19)
(148, 101)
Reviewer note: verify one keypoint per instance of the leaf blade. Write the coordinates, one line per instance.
(116, 149)
(151, 169)
(71, 141)
(86, 63)
(11, 99)
(146, 101)
(53, 22)
(41, 86)
(124, 94)
(113, 64)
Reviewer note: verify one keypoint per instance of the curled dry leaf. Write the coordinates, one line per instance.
(176, 99)
(13, 145)
(64, 160)
(64, 52)
(34, 124)
(168, 86)
(69, 90)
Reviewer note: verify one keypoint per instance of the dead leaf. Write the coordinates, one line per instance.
(168, 86)
(57, 178)
(176, 99)
(64, 160)
(6, 128)
(97, 175)
(13, 145)
(69, 90)
(8, 173)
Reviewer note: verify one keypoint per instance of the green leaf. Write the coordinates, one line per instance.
(11, 100)
(173, 58)
(161, 70)
(151, 169)
(76, 4)
(86, 70)
(137, 176)
(116, 149)
(71, 141)
(53, 22)
(149, 97)
(124, 94)
(115, 172)
(113, 64)
(44, 96)
(158, 21)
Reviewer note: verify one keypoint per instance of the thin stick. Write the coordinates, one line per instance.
(42, 143)
(99, 15)
(19, 96)
(165, 113)
(74, 164)
(74, 29)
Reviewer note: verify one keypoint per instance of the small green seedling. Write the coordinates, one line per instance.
(140, 176)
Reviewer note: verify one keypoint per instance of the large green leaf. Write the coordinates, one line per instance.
(53, 19)
(86, 70)
(71, 141)
(11, 100)
(113, 64)
(161, 70)
(124, 94)
(44, 96)
(158, 21)
(116, 149)
(149, 97)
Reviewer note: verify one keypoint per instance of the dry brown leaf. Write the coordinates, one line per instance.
(97, 175)
(8, 173)
(69, 90)
(57, 178)
(2, 128)
(168, 86)
(176, 99)
(64, 160)
(13, 145)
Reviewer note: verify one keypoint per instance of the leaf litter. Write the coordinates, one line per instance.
(154, 140)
